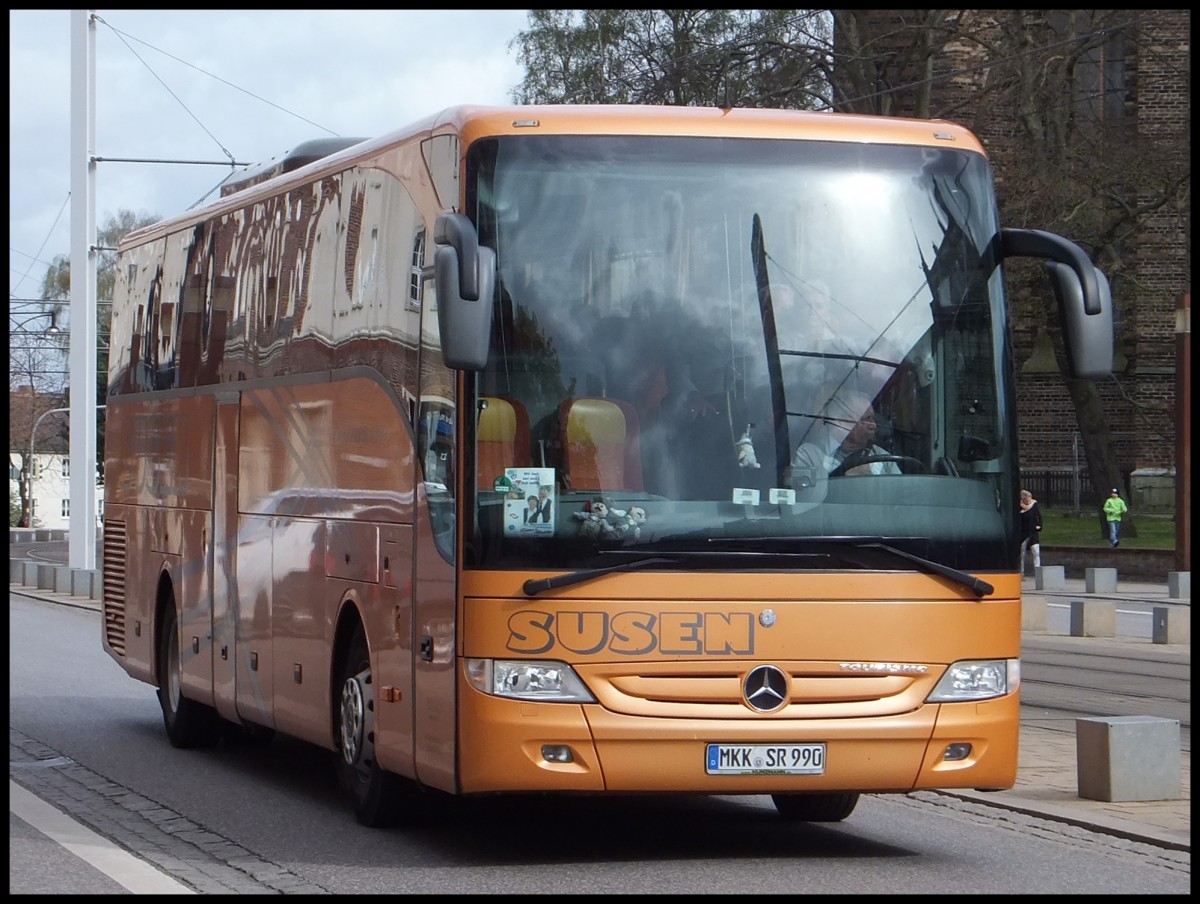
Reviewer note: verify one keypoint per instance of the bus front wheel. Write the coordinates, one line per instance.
(188, 723)
(815, 806)
(375, 792)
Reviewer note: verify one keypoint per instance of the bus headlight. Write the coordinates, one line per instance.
(977, 679)
(528, 679)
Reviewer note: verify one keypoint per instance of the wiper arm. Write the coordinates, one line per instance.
(534, 586)
(980, 588)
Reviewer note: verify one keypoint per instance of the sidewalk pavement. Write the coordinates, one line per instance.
(1155, 592)
(1047, 780)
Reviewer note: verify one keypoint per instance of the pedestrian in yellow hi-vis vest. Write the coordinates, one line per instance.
(1114, 508)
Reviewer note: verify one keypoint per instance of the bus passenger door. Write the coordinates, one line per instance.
(435, 711)
(224, 555)
(394, 649)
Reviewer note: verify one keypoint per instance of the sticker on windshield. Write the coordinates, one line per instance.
(529, 502)
(745, 496)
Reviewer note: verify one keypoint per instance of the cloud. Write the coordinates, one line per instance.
(201, 85)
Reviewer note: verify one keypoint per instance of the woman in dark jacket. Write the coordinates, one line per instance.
(1031, 529)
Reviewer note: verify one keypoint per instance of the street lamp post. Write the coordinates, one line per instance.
(51, 330)
(21, 324)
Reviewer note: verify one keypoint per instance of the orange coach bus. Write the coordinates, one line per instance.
(586, 449)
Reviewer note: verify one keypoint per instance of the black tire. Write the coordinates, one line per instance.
(377, 794)
(188, 723)
(816, 806)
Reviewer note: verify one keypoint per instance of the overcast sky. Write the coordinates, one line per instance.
(195, 84)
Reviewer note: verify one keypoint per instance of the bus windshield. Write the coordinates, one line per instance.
(711, 346)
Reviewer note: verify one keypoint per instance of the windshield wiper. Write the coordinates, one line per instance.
(534, 586)
(979, 587)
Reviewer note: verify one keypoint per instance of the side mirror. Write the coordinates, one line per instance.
(1037, 243)
(465, 273)
(1088, 337)
(1085, 307)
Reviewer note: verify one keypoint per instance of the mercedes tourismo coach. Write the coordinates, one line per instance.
(586, 449)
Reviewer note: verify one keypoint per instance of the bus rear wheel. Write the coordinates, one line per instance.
(188, 723)
(816, 806)
(375, 792)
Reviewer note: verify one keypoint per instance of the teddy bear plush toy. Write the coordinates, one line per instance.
(595, 519)
(627, 523)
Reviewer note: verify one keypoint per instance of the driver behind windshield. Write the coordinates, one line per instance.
(843, 440)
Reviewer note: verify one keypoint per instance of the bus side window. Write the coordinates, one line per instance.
(436, 444)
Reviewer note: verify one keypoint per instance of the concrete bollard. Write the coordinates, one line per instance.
(1033, 613)
(1123, 758)
(62, 579)
(1172, 624)
(81, 582)
(16, 571)
(1179, 585)
(1050, 577)
(1100, 580)
(45, 576)
(1093, 618)
(29, 573)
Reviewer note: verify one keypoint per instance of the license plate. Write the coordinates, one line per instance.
(765, 759)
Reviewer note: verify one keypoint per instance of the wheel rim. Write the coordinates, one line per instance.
(354, 720)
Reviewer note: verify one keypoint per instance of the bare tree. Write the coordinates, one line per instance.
(1078, 163)
(679, 57)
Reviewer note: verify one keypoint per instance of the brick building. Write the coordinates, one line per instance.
(1130, 84)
